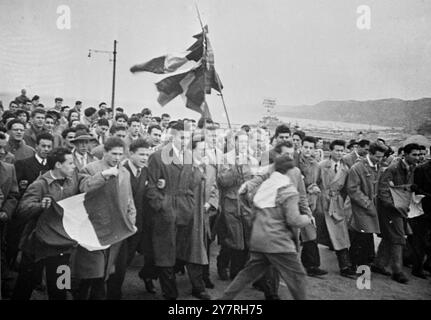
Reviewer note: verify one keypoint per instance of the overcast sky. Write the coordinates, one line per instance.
(297, 52)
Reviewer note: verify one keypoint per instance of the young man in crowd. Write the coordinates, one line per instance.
(392, 218)
(93, 268)
(16, 144)
(36, 126)
(59, 183)
(362, 189)
(330, 215)
(272, 242)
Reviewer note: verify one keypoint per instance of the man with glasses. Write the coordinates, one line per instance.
(16, 144)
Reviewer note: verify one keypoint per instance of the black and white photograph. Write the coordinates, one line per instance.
(168, 150)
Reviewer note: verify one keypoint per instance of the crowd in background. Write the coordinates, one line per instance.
(264, 199)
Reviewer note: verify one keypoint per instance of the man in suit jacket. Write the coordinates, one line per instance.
(9, 196)
(170, 194)
(362, 189)
(29, 169)
(93, 268)
(80, 153)
(136, 165)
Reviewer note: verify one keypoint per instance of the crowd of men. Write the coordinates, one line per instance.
(265, 200)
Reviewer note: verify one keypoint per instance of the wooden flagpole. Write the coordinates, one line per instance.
(218, 79)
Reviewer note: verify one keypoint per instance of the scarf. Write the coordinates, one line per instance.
(267, 193)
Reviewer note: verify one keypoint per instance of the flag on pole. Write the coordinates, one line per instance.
(94, 220)
(172, 62)
(192, 84)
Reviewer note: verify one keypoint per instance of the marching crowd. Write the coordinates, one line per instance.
(265, 199)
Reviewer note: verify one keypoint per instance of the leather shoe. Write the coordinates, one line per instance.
(149, 286)
(203, 295)
(377, 269)
(223, 274)
(209, 284)
(348, 273)
(316, 272)
(419, 274)
(400, 277)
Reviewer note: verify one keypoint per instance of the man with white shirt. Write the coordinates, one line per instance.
(145, 120)
(362, 190)
(101, 130)
(28, 170)
(81, 151)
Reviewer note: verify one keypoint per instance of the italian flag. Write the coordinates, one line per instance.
(94, 220)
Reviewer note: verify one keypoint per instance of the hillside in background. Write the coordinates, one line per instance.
(413, 115)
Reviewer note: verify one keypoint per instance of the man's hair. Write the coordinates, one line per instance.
(382, 140)
(300, 134)
(204, 120)
(154, 126)
(309, 139)
(53, 113)
(20, 111)
(38, 111)
(90, 111)
(364, 142)
(100, 104)
(282, 128)
(113, 142)
(78, 102)
(178, 125)
(286, 144)
(337, 143)
(58, 99)
(410, 147)
(165, 115)
(283, 163)
(245, 127)
(35, 97)
(66, 131)
(108, 110)
(57, 155)
(376, 146)
(116, 128)
(15, 121)
(146, 111)
(49, 116)
(138, 143)
(121, 115)
(421, 147)
(103, 122)
(44, 136)
(133, 119)
(82, 127)
(101, 113)
(13, 102)
(157, 119)
(119, 109)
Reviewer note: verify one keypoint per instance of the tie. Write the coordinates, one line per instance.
(138, 172)
(336, 165)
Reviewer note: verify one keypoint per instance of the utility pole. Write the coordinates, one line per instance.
(114, 60)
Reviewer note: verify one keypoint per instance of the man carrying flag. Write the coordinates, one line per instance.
(93, 268)
(59, 183)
